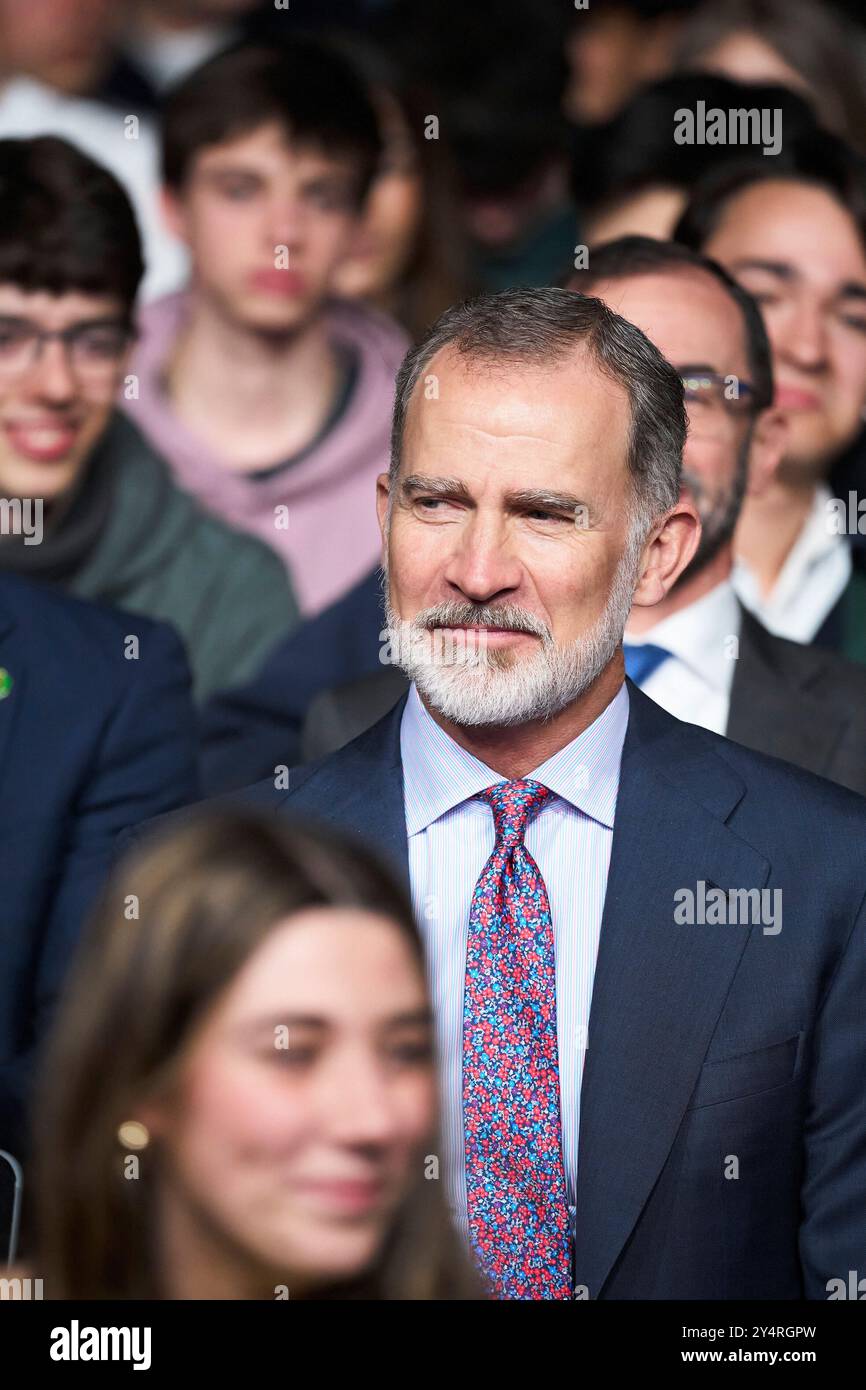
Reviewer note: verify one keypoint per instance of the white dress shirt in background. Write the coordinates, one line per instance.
(811, 582)
(695, 682)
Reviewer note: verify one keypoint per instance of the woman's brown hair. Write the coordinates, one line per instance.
(179, 919)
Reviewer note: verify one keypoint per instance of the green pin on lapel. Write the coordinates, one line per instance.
(5, 683)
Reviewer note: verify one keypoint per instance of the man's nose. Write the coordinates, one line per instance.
(804, 343)
(287, 222)
(52, 377)
(484, 562)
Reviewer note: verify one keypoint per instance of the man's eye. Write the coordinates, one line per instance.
(853, 321)
(538, 515)
(328, 198)
(107, 342)
(238, 190)
(12, 336)
(765, 297)
(296, 1056)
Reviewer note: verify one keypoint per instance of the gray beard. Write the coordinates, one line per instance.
(470, 684)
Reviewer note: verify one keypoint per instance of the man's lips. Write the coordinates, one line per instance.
(794, 398)
(496, 636)
(279, 282)
(43, 441)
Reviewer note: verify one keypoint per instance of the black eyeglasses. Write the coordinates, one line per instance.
(94, 348)
(713, 400)
(709, 388)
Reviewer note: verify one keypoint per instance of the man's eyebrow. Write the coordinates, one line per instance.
(439, 487)
(781, 269)
(219, 171)
(693, 368)
(544, 500)
(851, 289)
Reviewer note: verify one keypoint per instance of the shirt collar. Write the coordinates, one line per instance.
(819, 554)
(696, 635)
(438, 774)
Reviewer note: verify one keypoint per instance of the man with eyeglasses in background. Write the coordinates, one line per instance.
(112, 525)
(699, 653)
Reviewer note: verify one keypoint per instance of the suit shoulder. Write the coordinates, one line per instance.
(52, 615)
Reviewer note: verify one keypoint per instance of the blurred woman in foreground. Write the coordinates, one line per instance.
(239, 1097)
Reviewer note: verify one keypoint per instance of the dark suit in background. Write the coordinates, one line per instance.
(90, 743)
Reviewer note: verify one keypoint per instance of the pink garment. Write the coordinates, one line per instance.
(332, 538)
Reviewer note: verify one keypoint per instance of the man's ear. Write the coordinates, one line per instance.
(766, 451)
(173, 213)
(669, 549)
(383, 489)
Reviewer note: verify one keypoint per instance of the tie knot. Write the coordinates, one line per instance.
(512, 803)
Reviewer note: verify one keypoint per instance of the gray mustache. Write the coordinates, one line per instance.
(506, 616)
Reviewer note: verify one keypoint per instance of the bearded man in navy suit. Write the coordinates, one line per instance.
(646, 944)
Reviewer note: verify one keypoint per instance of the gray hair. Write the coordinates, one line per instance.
(544, 326)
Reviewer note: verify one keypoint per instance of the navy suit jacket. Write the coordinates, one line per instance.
(722, 1150)
(90, 743)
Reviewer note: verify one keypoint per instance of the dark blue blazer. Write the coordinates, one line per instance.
(90, 743)
(722, 1150)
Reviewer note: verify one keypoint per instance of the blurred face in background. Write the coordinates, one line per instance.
(64, 43)
(653, 211)
(746, 57)
(386, 238)
(55, 402)
(697, 326)
(611, 52)
(286, 1164)
(267, 224)
(799, 253)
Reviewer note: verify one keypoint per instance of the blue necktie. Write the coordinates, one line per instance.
(641, 661)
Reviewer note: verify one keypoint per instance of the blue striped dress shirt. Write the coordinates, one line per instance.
(451, 837)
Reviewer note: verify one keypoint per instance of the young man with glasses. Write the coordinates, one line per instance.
(112, 524)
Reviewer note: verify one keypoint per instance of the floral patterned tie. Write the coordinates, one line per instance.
(515, 1179)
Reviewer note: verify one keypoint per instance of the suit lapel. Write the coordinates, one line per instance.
(659, 987)
(772, 711)
(360, 789)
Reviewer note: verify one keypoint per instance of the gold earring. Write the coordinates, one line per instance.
(133, 1135)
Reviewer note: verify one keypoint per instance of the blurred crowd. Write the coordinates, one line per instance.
(223, 225)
